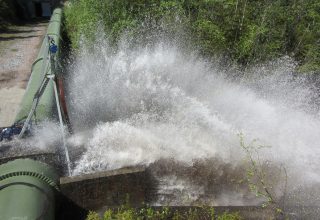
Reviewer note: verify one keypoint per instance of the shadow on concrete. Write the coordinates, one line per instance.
(67, 209)
(17, 37)
(15, 26)
(16, 31)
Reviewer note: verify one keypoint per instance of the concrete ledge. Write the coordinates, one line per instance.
(99, 190)
(101, 174)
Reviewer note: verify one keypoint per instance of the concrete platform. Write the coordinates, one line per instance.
(97, 191)
(19, 46)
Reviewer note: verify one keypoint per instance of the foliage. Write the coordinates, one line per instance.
(229, 216)
(127, 213)
(248, 31)
(93, 216)
(260, 179)
(7, 13)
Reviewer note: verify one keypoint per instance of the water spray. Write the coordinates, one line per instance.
(49, 71)
(148, 104)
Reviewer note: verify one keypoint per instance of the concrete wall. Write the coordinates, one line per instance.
(109, 188)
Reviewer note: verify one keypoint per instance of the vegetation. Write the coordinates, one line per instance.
(246, 31)
(7, 13)
(262, 179)
(127, 213)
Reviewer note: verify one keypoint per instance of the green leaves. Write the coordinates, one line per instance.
(150, 213)
(211, 37)
(248, 31)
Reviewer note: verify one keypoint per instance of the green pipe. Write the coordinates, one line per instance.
(27, 190)
(46, 104)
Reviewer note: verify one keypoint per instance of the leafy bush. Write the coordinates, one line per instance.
(247, 31)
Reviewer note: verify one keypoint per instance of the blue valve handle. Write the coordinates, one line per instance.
(53, 48)
(8, 132)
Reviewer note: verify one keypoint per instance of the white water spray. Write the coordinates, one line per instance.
(139, 106)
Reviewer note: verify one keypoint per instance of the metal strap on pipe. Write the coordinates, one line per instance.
(32, 174)
(30, 187)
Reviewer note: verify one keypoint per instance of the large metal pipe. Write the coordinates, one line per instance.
(27, 190)
(28, 187)
(46, 104)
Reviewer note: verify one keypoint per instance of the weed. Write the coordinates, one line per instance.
(151, 213)
(258, 180)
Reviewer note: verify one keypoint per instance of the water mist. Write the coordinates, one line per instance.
(181, 116)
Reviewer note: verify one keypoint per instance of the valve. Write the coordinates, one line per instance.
(53, 48)
(8, 132)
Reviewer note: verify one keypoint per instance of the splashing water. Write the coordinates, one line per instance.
(45, 137)
(148, 105)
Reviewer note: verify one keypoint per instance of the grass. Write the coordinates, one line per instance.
(128, 213)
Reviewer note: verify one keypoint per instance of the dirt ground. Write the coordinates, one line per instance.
(19, 46)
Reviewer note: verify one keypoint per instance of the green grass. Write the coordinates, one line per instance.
(127, 213)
